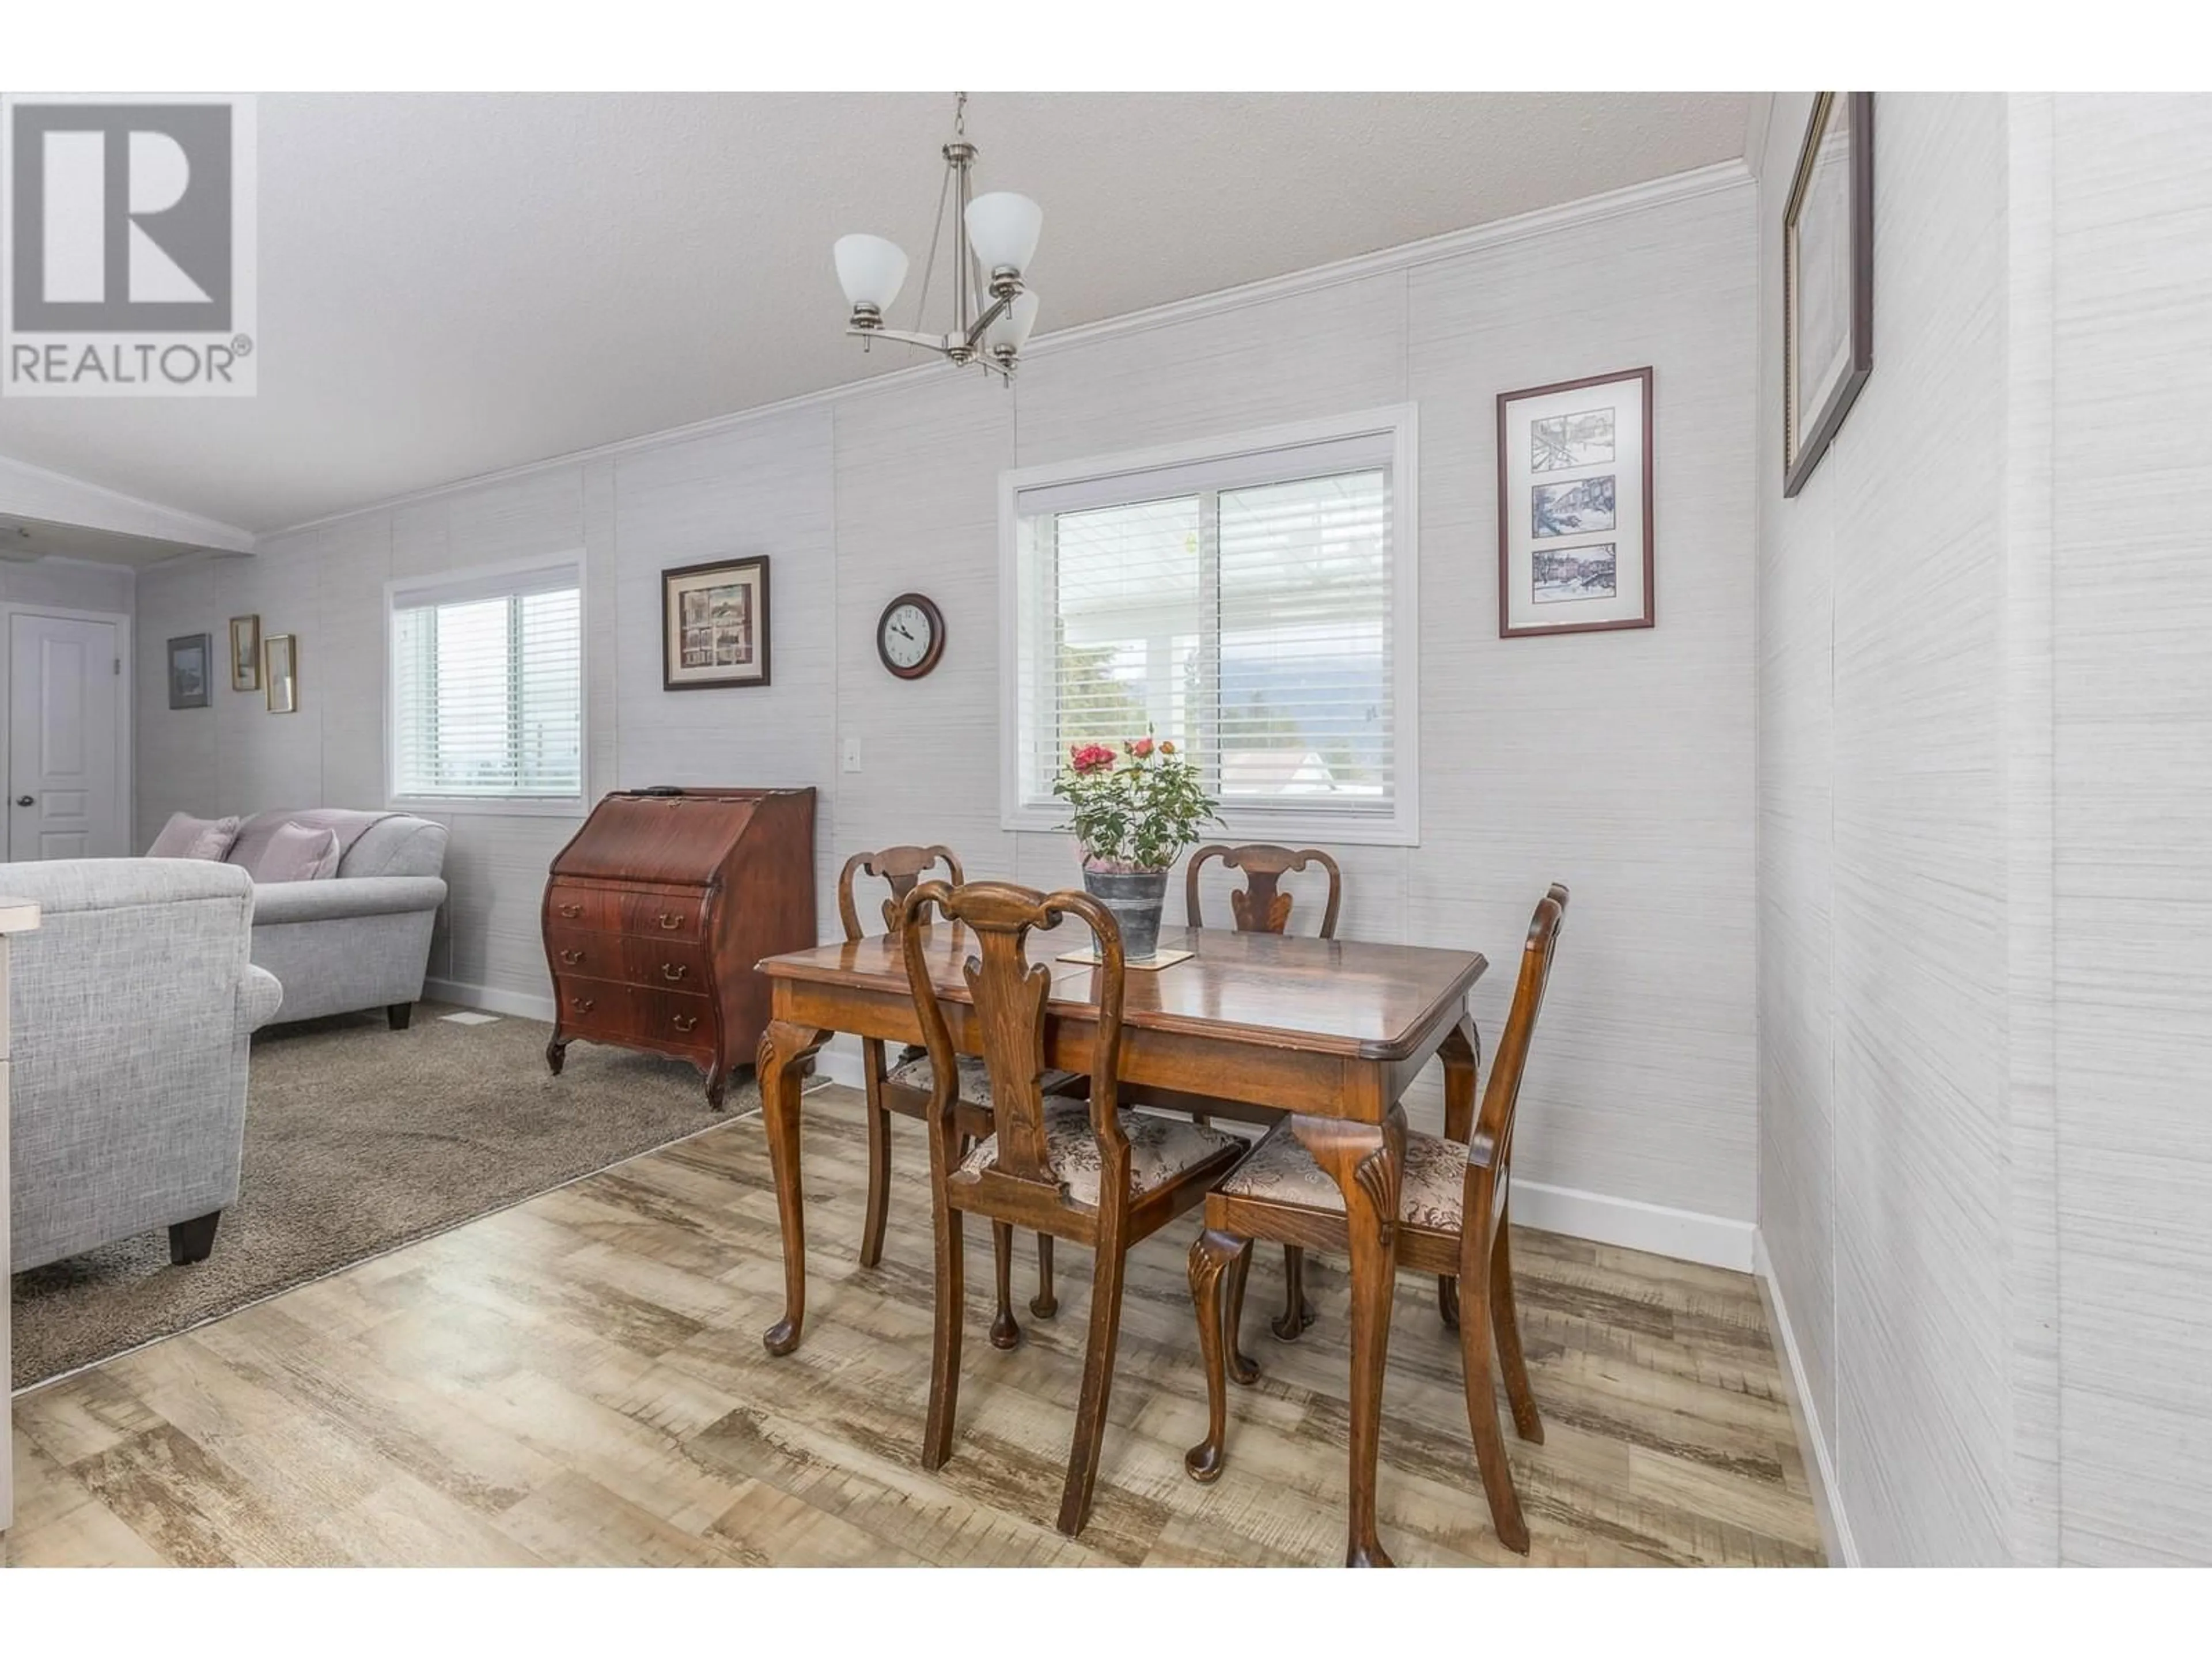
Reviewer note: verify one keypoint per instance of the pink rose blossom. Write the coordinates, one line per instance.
(1088, 757)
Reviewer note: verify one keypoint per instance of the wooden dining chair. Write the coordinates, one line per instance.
(1084, 1170)
(903, 1085)
(1261, 906)
(1452, 1203)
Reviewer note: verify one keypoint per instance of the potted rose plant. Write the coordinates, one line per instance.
(1134, 812)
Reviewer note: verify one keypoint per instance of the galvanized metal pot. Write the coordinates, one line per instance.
(1136, 899)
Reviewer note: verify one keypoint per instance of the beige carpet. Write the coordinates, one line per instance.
(358, 1139)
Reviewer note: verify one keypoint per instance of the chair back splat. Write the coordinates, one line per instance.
(1260, 906)
(899, 867)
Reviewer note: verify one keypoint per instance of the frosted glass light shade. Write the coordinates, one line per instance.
(870, 270)
(1003, 229)
(1010, 331)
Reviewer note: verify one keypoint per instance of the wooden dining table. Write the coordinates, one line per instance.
(1331, 1031)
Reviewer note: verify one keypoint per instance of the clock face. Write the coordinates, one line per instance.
(910, 636)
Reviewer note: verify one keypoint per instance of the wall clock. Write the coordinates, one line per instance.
(910, 635)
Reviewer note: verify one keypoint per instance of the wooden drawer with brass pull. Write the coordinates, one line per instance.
(593, 1007)
(667, 965)
(666, 1017)
(665, 915)
(574, 951)
(588, 910)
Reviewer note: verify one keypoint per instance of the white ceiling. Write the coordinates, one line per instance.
(454, 284)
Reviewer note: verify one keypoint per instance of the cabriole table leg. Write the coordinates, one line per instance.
(787, 1057)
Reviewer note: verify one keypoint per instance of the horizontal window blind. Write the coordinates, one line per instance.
(1242, 608)
(487, 688)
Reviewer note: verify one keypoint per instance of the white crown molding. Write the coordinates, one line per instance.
(33, 492)
(1408, 256)
(1591, 210)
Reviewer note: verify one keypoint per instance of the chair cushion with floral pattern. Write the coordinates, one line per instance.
(1430, 1196)
(1160, 1149)
(975, 1077)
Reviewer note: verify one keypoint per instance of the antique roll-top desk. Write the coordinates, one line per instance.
(656, 910)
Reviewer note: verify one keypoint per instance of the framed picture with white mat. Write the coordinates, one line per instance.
(1574, 506)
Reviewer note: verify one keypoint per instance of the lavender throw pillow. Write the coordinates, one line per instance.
(184, 836)
(296, 852)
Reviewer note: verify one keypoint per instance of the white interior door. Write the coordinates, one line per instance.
(65, 792)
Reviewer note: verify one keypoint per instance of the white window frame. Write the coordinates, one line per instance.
(457, 580)
(1403, 827)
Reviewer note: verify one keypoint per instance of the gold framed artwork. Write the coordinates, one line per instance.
(246, 653)
(280, 663)
(714, 624)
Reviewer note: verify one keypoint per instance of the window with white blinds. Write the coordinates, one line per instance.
(1254, 603)
(487, 688)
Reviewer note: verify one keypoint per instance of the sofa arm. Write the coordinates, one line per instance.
(340, 897)
(259, 997)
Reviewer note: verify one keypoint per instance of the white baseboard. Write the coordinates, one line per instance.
(1685, 1235)
(522, 1004)
(1827, 1495)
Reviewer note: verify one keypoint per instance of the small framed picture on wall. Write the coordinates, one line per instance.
(246, 653)
(713, 625)
(189, 659)
(1574, 506)
(282, 664)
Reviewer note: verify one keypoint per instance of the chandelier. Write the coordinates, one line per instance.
(992, 310)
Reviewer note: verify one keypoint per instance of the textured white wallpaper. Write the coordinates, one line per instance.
(1882, 895)
(1619, 763)
(1985, 928)
(2132, 523)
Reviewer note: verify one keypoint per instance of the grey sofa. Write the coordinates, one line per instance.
(132, 1006)
(360, 939)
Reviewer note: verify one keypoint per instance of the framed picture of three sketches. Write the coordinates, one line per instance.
(1574, 506)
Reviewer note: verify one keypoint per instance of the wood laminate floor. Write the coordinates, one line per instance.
(581, 1380)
